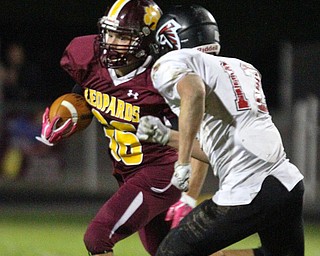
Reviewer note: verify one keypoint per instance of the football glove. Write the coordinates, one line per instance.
(181, 175)
(180, 209)
(153, 130)
(51, 134)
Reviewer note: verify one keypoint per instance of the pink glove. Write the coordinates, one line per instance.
(50, 135)
(180, 209)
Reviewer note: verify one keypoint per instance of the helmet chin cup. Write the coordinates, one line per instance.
(140, 54)
(114, 59)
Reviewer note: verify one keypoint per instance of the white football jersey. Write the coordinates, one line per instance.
(237, 133)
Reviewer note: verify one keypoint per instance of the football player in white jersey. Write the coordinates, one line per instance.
(220, 102)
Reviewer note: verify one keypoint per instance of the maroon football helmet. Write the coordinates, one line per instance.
(134, 18)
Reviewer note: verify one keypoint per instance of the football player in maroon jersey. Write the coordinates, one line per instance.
(112, 71)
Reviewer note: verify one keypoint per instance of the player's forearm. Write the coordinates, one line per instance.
(192, 92)
(199, 173)
(186, 138)
(196, 150)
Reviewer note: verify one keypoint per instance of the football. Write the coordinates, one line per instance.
(74, 106)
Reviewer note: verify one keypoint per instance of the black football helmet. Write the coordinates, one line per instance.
(188, 27)
(134, 18)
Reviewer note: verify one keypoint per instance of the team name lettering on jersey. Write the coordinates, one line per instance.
(112, 105)
(241, 101)
(259, 95)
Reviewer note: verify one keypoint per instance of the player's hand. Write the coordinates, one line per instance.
(181, 175)
(180, 209)
(50, 133)
(153, 130)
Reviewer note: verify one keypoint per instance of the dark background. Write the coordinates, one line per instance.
(251, 30)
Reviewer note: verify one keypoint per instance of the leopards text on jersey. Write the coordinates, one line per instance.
(118, 103)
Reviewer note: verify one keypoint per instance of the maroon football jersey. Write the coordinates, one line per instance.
(118, 104)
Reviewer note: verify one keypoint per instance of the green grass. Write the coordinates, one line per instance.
(52, 234)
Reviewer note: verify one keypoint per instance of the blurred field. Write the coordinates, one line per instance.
(40, 233)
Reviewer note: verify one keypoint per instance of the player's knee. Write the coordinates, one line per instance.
(96, 241)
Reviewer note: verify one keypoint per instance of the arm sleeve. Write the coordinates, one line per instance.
(168, 70)
(165, 75)
(78, 57)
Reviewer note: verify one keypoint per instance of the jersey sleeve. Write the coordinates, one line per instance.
(165, 75)
(78, 56)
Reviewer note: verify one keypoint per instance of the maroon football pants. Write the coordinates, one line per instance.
(134, 207)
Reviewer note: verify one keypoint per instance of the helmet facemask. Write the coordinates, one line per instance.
(136, 20)
(117, 55)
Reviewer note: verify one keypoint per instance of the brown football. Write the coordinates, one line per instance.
(74, 106)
